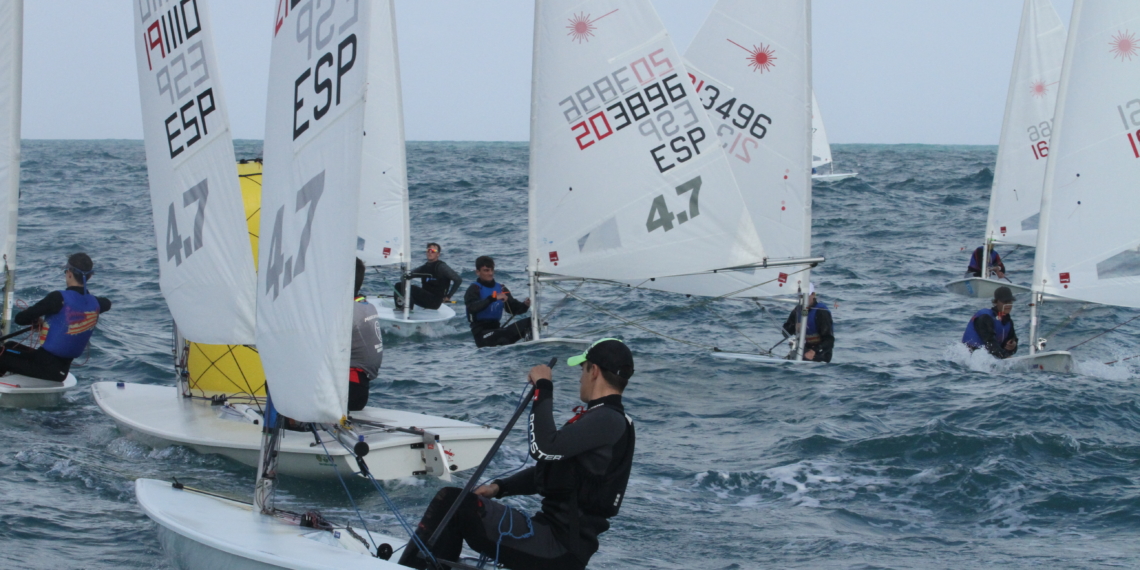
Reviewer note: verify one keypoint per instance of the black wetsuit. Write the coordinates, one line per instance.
(823, 329)
(438, 281)
(489, 332)
(38, 362)
(581, 474)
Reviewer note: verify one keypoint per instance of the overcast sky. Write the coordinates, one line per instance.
(885, 71)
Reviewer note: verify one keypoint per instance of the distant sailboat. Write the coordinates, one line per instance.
(1015, 201)
(384, 220)
(821, 149)
(628, 182)
(759, 103)
(1088, 241)
(204, 241)
(15, 391)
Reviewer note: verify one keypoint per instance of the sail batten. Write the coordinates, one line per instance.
(627, 180)
(314, 144)
(1027, 127)
(1088, 245)
(206, 270)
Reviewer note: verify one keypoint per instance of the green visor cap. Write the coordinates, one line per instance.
(579, 359)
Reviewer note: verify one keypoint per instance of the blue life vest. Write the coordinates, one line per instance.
(65, 334)
(1001, 330)
(976, 260)
(494, 311)
(812, 336)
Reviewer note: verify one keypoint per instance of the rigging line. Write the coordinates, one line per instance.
(682, 308)
(391, 506)
(738, 331)
(557, 306)
(1105, 332)
(1123, 359)
(1067, 320)
(342, 484)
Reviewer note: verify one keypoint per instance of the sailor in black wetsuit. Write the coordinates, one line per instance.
(440, 282)
(486, 302)
(581, 473)
(69, 318)
(367, 351)
(820, 338)
(993, 328)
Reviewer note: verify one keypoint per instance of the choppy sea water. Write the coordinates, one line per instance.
(906, 452)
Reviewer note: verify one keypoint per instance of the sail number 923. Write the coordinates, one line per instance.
(661, 217)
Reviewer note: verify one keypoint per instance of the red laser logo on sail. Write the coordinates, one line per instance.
(582, 27)
(1039, 88)
(760, 58)
(1124, 45)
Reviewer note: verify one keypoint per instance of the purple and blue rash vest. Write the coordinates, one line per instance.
(66, 333)
(494, 311)
(1001, 330)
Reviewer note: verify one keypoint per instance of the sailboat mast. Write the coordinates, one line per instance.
(1039, 269)
(266, 484)
(12, 145)
(805, 280)
(532, 209)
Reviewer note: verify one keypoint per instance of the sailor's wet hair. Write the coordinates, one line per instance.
(81, 266)
(484, 261)
(436, 246)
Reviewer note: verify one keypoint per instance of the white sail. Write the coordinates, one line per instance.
(314, 133)
(820, 148)
(1015, 201)
(11, 63)
(1089, 243)
(383, 225)
(627, 180)
(205, 266)
(752, 59)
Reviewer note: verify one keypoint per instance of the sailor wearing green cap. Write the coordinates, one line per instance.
(581, 474)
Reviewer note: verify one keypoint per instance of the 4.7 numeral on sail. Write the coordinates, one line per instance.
(661, 217)
(280, 272)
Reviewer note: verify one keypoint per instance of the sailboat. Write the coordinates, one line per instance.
(313, 165)
(821, 149)
(16, 391)
(204, 239)
(1088, 242)
(628, 181)
(1023, 151)
(384, 224)
(759, 111)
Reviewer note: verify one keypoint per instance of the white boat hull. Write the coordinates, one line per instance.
(555, 340)
(834, 177)
(205, 531)
(1052, 361)
(23, 392)
(159, 416)
(761, 358)
(982, 288)
(420, 321)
